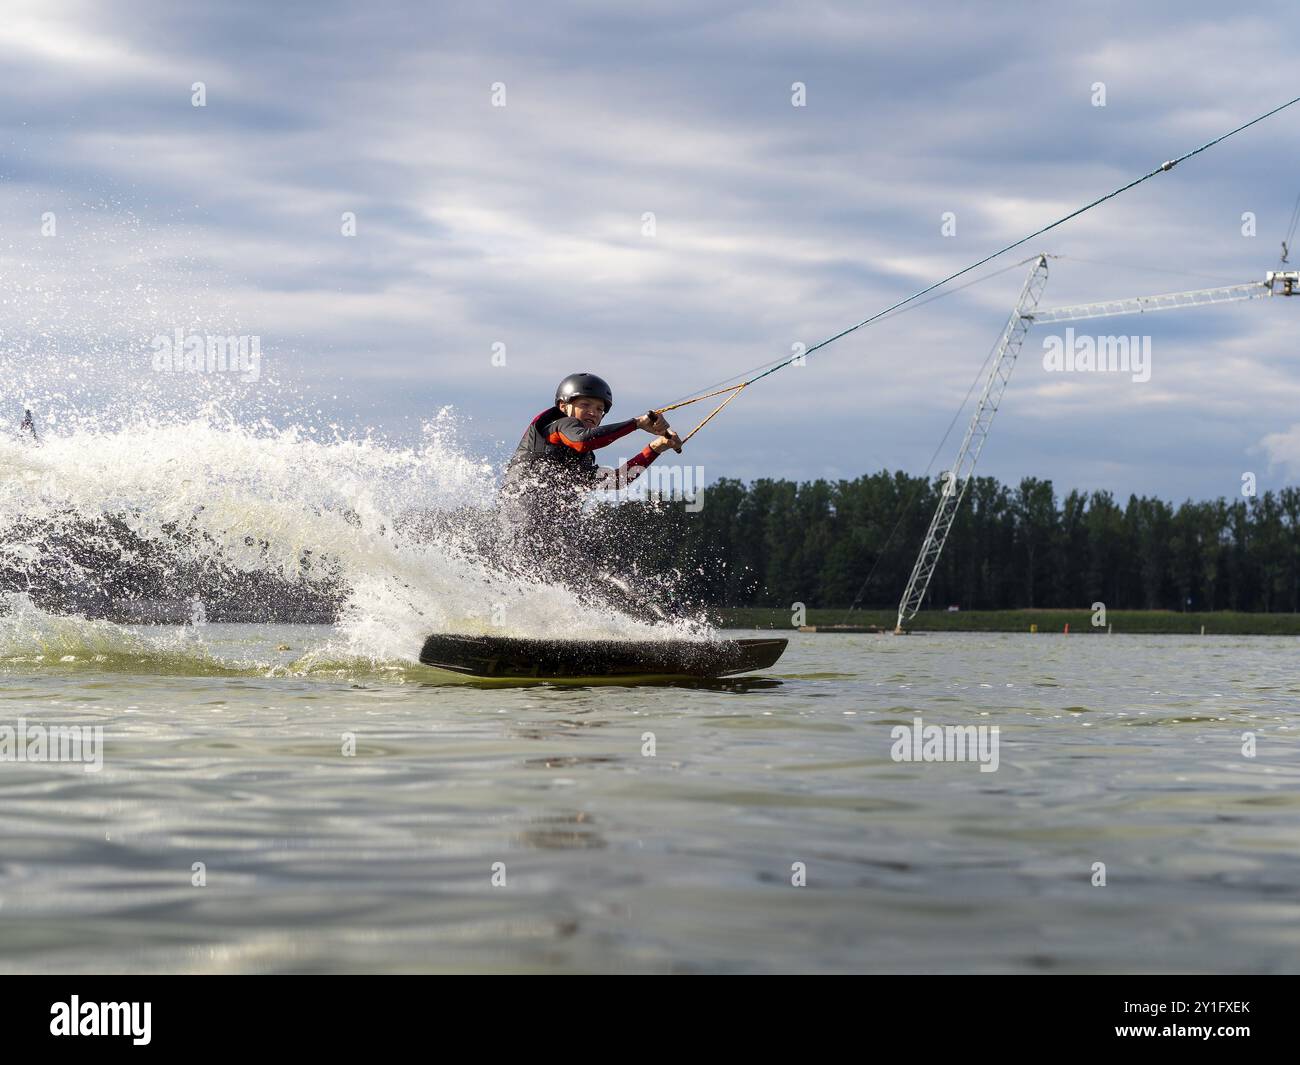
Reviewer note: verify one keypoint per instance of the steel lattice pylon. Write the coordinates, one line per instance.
(956, 479)
(1275, 283)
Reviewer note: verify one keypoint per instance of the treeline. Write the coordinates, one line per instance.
(773, 543)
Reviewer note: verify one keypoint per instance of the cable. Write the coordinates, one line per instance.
(1290, 233)
(1148, 269)
(1167, 165)
(681, 401)
(1162, 168)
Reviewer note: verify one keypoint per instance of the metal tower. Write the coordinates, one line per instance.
(1275, 283)
(956, 479)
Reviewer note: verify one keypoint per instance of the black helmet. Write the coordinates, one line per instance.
(578, 385)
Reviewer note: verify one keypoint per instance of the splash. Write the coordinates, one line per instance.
(218, 521)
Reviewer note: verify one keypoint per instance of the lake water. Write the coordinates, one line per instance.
(221, 748)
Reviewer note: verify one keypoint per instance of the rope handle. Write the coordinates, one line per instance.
(688, 402)
(735, 390)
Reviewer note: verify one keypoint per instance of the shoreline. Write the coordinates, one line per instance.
(1125, 622)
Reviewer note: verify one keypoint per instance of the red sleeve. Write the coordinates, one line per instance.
(572, 433)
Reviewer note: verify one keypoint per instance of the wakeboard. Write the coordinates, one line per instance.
(540, 659)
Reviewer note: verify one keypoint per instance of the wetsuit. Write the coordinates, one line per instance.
(545, 484)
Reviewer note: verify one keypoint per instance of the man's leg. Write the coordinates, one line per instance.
(625, 598)
(583, 568)
(562, 552)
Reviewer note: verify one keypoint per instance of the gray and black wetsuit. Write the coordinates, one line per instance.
(546, 481)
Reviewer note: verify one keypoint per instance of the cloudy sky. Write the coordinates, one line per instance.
(523, 225)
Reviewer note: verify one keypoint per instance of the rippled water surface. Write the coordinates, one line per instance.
(224, 745)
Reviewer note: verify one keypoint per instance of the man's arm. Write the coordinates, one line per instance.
(607, 479)
(572, 433)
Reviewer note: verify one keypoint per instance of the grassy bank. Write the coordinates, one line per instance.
(1219, 623)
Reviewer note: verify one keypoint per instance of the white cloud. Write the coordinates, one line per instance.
(1283, 449)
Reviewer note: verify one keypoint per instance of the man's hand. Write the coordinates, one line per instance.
(653, 422)
(663, 443)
